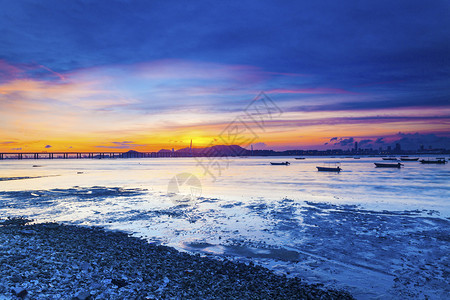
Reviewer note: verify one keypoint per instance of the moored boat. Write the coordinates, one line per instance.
(299, 158)
(385, 165)
(389, 158)
(286, 163)
(438, 161)
(409, 159)
(329, 169)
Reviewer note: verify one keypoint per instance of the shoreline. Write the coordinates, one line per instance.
(58, 261)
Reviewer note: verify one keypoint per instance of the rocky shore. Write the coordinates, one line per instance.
(56, 261)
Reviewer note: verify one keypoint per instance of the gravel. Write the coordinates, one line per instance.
(57, 261)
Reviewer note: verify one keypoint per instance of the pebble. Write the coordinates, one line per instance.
(16, 278)
(19, 292)
(28, 232)
(88, 263)
(119, 282)
(83, 295)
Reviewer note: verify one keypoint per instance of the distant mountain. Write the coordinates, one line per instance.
(184, 150)
(232, 150)
(132, 152)
(164, 150)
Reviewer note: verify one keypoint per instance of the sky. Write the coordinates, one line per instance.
(117, 75)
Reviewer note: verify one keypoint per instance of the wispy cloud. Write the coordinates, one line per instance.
(60, 76)
(313, 91)
(122, 145)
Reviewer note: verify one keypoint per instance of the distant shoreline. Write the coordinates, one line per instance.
(109, 155)
(217, 151)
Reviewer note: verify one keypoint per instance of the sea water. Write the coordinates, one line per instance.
(378, 232)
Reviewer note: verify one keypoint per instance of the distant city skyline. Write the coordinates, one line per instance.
(87, 76)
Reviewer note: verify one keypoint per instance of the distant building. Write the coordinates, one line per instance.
(356, 146)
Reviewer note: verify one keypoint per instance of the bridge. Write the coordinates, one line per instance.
(79, 155)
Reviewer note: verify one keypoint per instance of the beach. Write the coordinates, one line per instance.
(53, 261)
(373, 233)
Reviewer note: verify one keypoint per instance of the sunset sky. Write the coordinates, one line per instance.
(145, 75)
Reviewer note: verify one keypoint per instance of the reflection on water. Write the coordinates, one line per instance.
(415, 186)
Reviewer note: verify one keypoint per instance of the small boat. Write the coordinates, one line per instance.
(384, 165)
(438, 161)
(329, 169)
(280, 163)
(409, 159)
(299, 158)
(389, 158)
(356, 157)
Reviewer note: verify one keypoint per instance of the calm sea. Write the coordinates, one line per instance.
(414, 186)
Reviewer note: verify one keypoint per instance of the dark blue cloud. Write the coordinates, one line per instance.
(379, 140)
(333, 36)
(345, 142)
(413, 140)
(361, 121)
(386, 101)
(351, 45)
(407, 141)
(365, 142)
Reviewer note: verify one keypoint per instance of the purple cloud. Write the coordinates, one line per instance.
(345, 142)
(414, 140)
(259, 146)
(122, 145)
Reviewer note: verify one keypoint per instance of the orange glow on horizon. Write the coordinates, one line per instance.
(146, 107)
